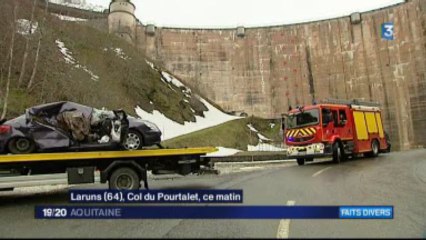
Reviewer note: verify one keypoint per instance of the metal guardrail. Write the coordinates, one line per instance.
(270, 146)
(254, 158)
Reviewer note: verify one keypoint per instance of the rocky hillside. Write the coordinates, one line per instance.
(46, 57)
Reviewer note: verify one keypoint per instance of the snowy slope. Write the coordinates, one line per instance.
(172, 129)
(69, 59)
(69, 18)
(222, 151)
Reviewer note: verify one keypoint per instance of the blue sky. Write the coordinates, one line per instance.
(232, 13)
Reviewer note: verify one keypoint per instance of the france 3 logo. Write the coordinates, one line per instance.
(388, 31)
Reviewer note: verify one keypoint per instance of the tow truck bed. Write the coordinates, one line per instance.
(67, 156)
(81, 166)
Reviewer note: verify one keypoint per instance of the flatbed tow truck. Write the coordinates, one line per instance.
(123, 170)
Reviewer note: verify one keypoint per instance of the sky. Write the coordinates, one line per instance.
(248, 13)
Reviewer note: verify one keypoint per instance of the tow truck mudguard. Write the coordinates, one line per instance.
(316, 150)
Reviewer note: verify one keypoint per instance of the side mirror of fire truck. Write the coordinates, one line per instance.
(284, 117)
(283, 127)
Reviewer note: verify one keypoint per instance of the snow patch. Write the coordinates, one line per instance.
(260, 136)
(69, 18)
(263, 138)
(81, 4)
(169, 79)
(252, 128)
(26, 27)
(67, 54)
(222, 151)
(118, 52)
(150, 64)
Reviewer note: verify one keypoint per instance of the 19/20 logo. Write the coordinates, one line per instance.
(55, 212)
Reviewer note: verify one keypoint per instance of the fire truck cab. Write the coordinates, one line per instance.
(335, 128)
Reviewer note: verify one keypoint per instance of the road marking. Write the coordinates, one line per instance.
(320, 171)
(284, 226)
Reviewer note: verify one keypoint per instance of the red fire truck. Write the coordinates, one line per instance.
(335, 128)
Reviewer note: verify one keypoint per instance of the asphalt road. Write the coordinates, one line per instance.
(397, 179)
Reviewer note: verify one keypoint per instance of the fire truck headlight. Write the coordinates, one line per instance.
(319, 147)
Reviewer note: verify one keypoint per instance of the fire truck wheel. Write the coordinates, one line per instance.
(337, 153)
(375, 148)
(300, 161)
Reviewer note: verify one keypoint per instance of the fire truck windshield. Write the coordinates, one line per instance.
(301, 119)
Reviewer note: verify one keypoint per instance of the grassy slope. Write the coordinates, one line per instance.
(122, 83)
(233, 134)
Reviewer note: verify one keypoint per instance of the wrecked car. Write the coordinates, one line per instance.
(69, 126)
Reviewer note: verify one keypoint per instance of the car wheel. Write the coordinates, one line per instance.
(134, 141)
(21, 146)
(124, 179)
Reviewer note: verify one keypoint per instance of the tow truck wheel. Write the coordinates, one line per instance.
(124, 179)
(300, 161)
(337, 153)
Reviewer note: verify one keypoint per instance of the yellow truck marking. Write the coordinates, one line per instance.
(360, 126)
(305, 132)
(64, 156)
(379, 124)
(371, 122)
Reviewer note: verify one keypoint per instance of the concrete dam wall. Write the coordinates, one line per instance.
(262, 71)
